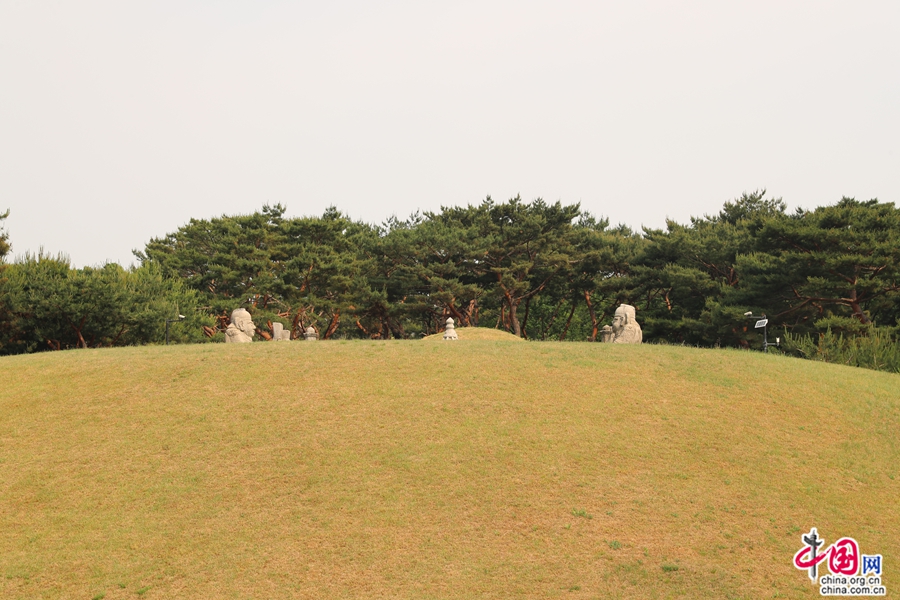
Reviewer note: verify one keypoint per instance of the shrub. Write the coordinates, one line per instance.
(876, 349)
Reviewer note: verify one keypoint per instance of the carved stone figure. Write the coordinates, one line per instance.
(450, 330)
(241, 329)
(606, 334)
(624, 328)
(310, 335)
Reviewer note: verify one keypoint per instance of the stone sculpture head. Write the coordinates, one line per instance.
(242, 328)
(243, 321)
(623, 316)
(625, 328)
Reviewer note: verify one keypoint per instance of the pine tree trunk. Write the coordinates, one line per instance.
(514, 320)
(525, 320)
(587, 299)
(332, 327)
(568, 322)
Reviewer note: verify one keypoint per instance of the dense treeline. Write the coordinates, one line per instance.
(51, 306)
(525, 267)
(549, 271)
(539, 270)
(45, 304)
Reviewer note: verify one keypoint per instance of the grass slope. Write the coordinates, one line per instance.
(466, 334)
(486, 469)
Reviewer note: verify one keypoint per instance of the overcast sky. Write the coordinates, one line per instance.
(120, 121)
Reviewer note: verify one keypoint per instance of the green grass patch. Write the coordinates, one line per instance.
(670, 568)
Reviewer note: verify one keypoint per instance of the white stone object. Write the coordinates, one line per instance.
(606, 334)
(280, 334)
(311, 335)
(241, 328)
(625, 328)
(450, 330)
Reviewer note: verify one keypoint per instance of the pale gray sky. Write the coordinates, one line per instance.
(119, 121)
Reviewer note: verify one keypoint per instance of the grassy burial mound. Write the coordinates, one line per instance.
(477, 333)
(486, 469)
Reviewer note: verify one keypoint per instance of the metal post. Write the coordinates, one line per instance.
(180, 318)
(763, 323)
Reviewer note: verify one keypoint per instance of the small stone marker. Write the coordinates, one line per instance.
(280, 334)
(311, 335)
(450, 330)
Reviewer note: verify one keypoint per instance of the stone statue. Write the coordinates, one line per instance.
(606, 334)
(241, 329)
(450, 330)
(624, 330)
(310, 334)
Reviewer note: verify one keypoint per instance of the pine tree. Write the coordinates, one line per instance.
(835, 266)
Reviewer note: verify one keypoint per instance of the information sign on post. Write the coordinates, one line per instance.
(761, 323)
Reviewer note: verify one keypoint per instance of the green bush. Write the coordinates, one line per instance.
(877, 348)
(48, 305)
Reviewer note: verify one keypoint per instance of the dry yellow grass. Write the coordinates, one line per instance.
(488, 469)
(477, 333)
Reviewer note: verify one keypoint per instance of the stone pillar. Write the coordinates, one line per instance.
(280, 334)
(450, 330)
(311, 335)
